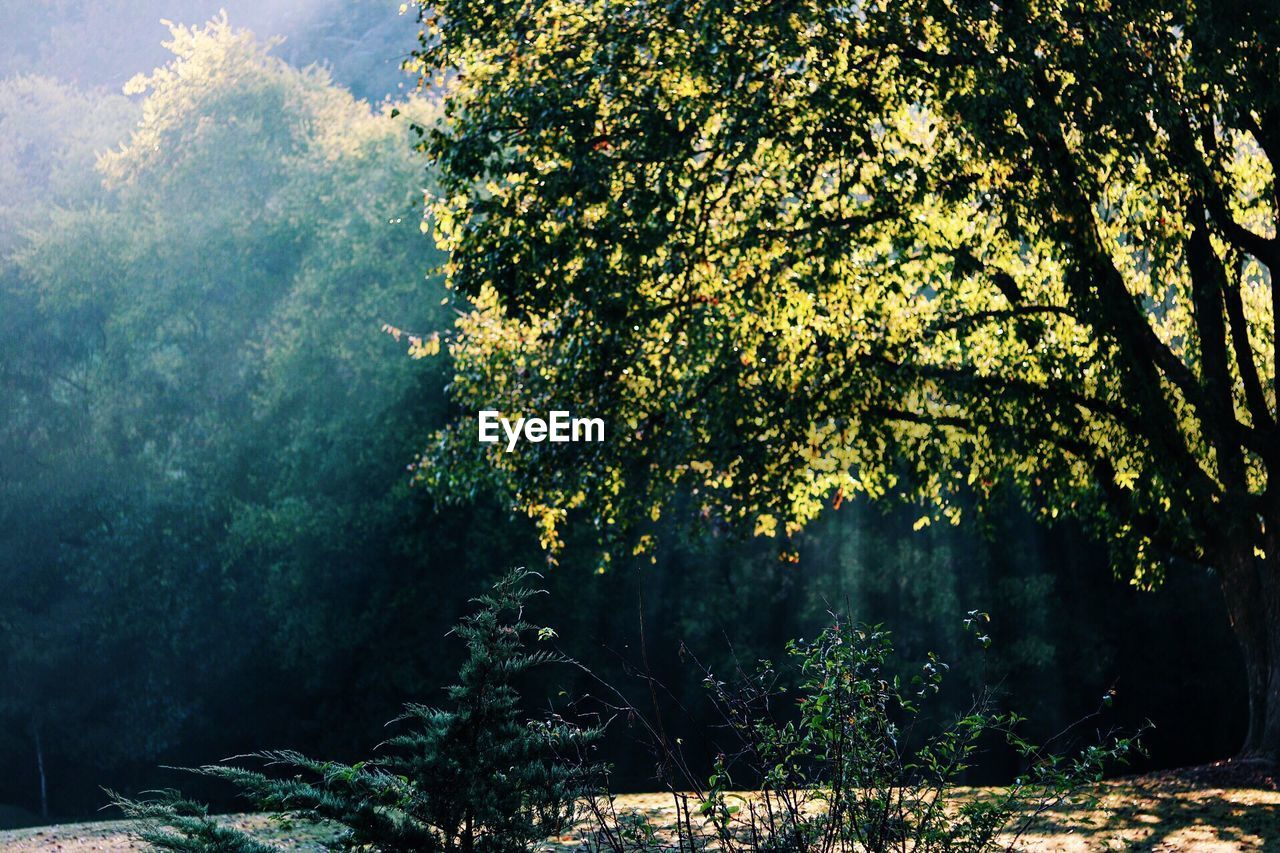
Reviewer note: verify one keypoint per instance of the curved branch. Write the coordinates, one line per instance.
(963, 321)
(1251, 380)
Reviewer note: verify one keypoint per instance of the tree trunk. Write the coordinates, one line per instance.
(44, 787)
(1252, 591)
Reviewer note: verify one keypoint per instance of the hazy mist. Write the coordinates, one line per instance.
(101, 45)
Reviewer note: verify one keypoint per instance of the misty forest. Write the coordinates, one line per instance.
(925, 517)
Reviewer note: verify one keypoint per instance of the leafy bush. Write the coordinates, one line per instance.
(847, 766)
(847, 759)
(475, 777)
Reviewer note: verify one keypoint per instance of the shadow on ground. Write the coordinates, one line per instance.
(1164, 812)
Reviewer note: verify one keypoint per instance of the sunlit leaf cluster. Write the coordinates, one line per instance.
(795, 253)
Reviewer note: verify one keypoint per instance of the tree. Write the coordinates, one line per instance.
(362, 42)
(50, 136)
(203, 428)
(51, 643)
(798, 252)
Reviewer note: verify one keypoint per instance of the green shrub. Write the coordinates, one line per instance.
(476, 777)
(848, 760)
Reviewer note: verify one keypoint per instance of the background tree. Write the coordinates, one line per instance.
(362, 43)
(799, 252)
(50, 470)
(201, 415)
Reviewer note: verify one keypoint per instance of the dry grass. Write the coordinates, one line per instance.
(1153, 813)
(114, 835)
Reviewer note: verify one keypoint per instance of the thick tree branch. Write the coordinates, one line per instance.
(996, 386)
(1118, 499)
(1183, 135)
(1097, 283)
(1265, 249)
(1250, 379)
(1207, 286)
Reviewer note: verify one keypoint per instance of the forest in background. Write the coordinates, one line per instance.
(209, 542)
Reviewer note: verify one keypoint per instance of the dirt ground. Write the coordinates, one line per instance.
(1165, 812)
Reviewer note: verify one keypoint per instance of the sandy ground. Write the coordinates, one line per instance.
(1148, 813)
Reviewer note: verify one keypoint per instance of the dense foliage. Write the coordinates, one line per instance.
(798, 252)
(201, 415)
(208, 540)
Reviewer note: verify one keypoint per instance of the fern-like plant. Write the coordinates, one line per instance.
(475, 777)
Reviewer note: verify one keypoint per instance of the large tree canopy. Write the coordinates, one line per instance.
(799, 251)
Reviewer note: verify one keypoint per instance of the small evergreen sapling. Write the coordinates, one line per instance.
(475, 778)
(171, 822)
